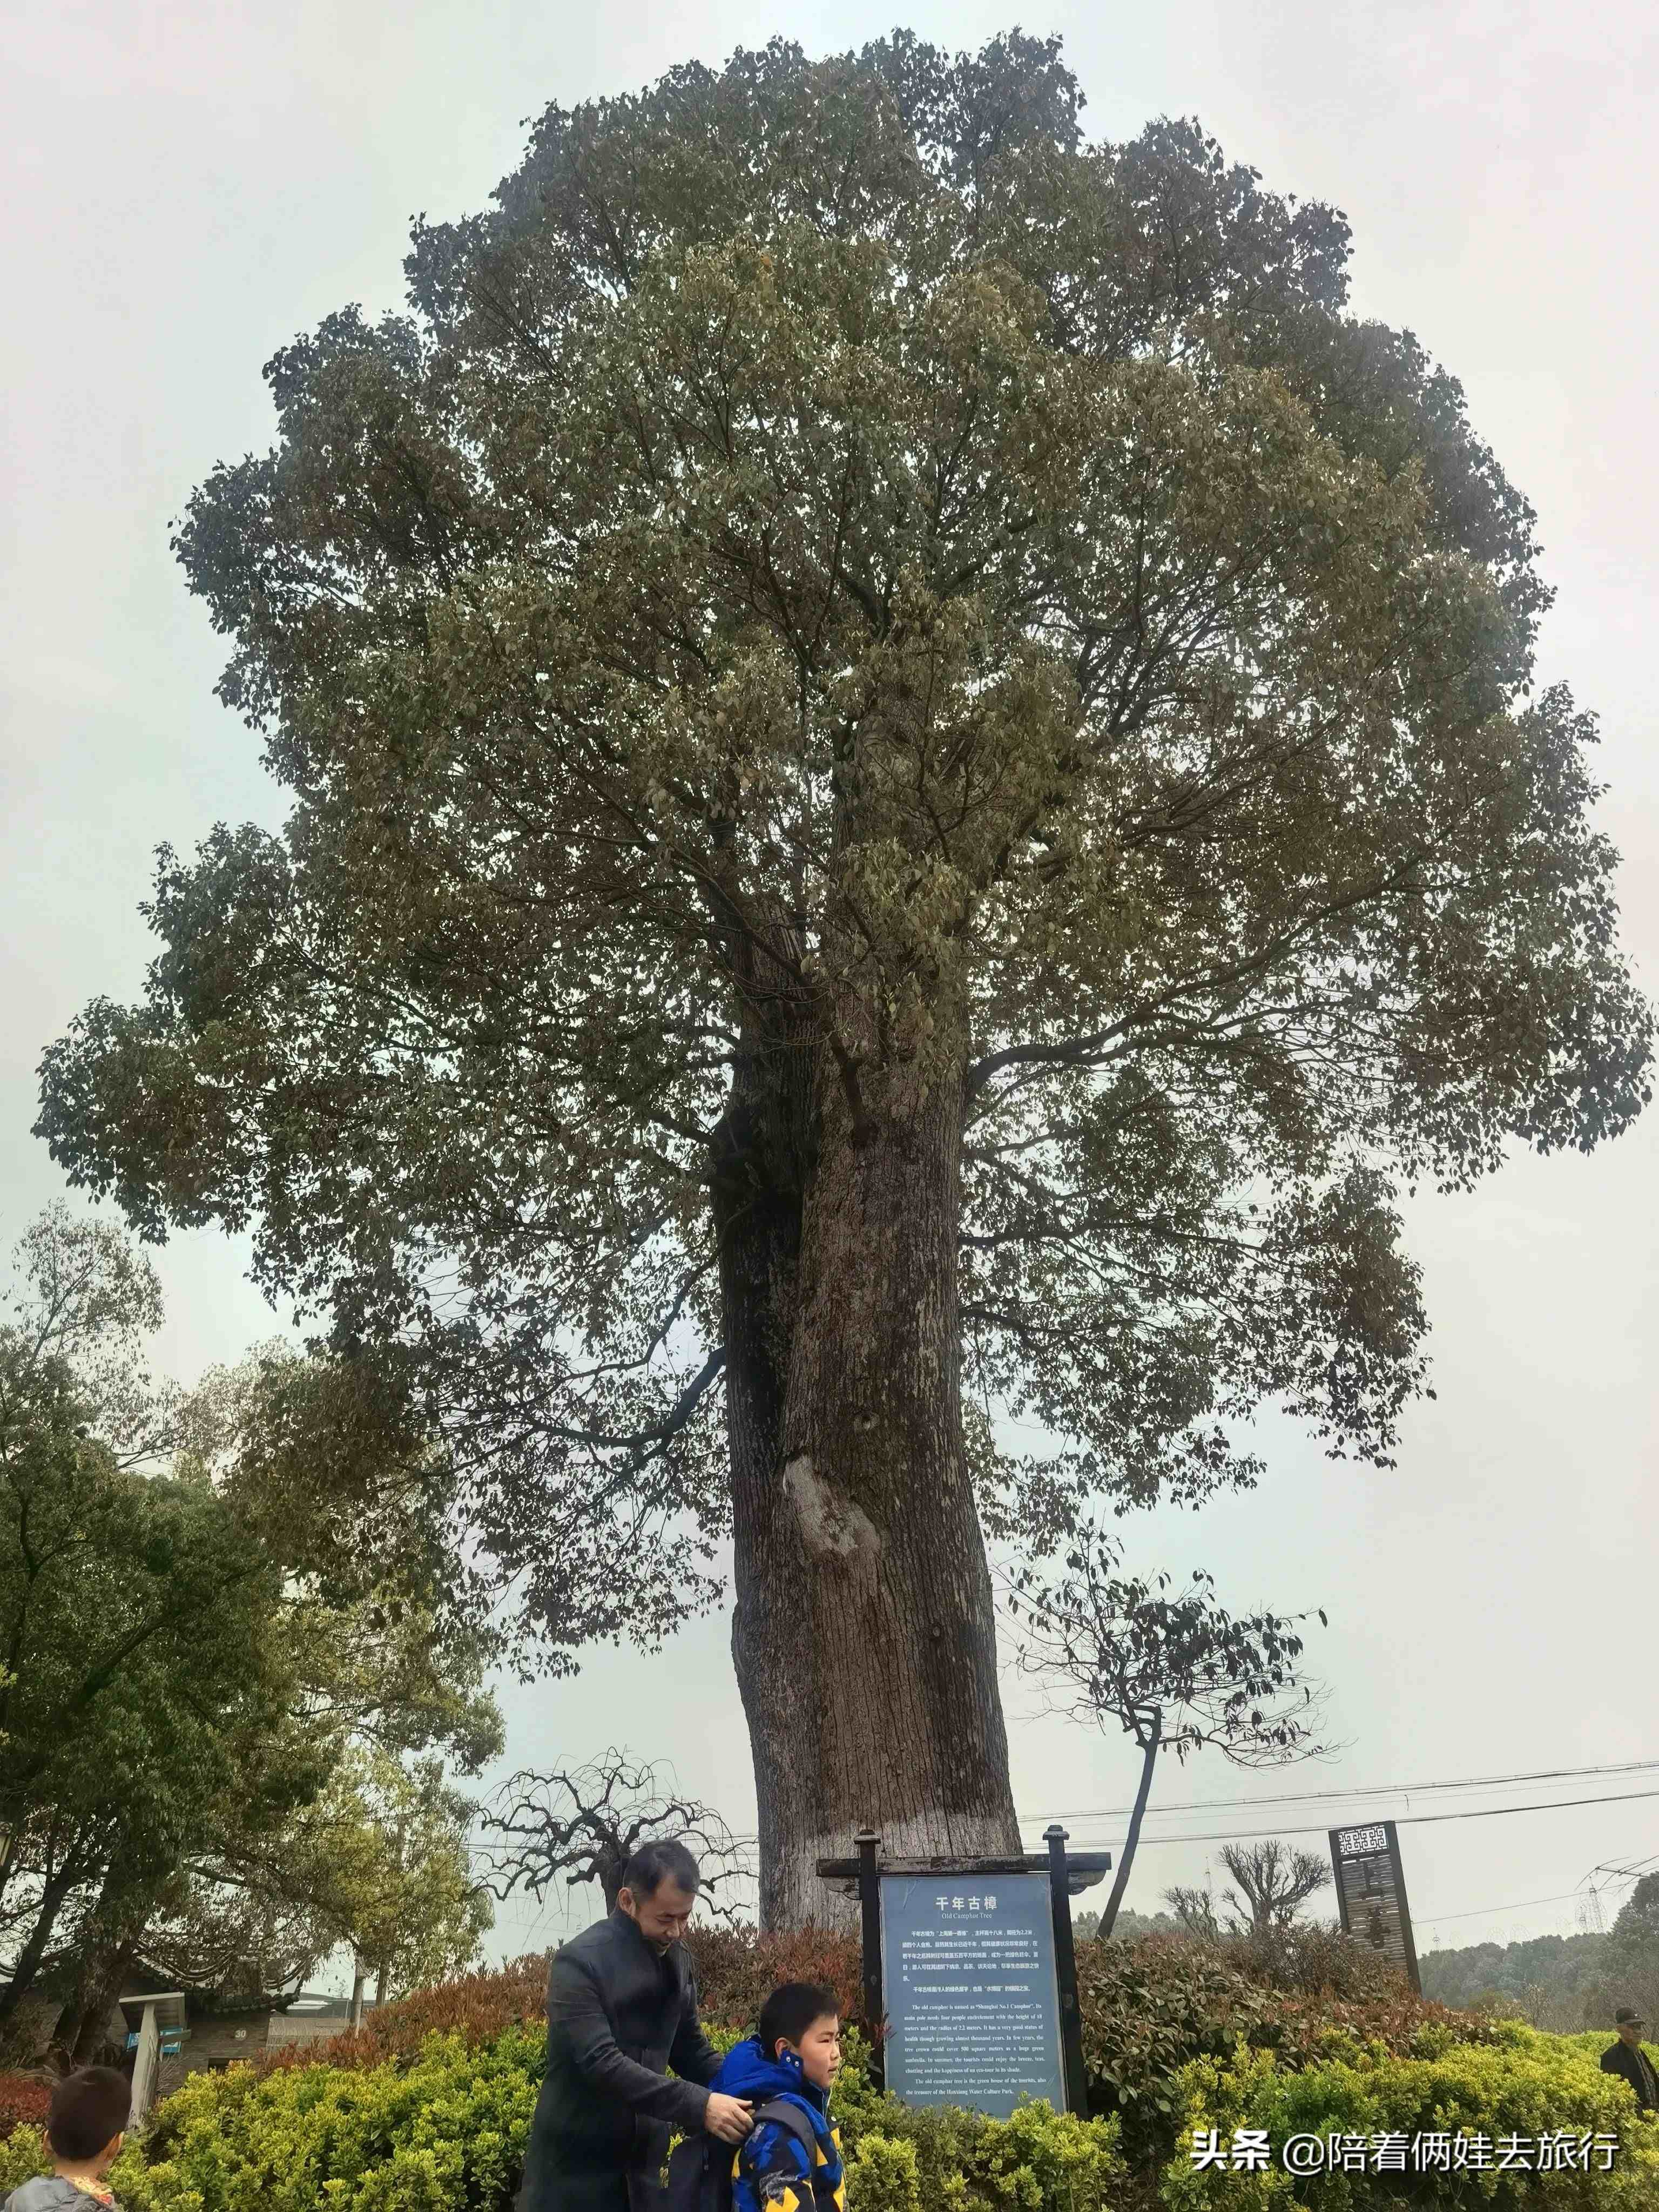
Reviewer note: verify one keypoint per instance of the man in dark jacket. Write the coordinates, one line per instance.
(621, 2010)
(1626, 2056)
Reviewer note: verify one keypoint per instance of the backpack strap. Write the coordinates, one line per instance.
(788, 2114)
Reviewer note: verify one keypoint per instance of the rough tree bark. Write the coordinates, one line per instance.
(97, 2000)
(26, 1965)
(864, 1633)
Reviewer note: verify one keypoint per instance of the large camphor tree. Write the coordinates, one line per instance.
(916, 789)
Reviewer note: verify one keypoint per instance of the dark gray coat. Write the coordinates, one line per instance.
(1621, 2059)
(47, 2193)
(619, 2015)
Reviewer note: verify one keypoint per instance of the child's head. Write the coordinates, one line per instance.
(88, 2116)
(807, 2018)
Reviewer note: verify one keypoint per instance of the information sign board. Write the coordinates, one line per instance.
(1370, 1892)
(969, 1991)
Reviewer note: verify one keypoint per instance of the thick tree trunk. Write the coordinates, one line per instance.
(864, 1632)
(26, 1967)
(355, 2019)
(108, 1940)
(100, 1991)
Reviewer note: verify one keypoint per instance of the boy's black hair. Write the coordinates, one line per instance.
(790, 2011)
(89, 2110)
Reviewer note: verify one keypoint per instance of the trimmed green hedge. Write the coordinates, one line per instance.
(900, 2159)
(1592, 2043)
(1524, 2084)
(445, 2130)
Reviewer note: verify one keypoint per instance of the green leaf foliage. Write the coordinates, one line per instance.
(1525, 2084)
(145, 1685)
(444, 2131)
(837, 592)
(187, 1659)
(1151, 2007)
(441, 2122)
(23, 2155)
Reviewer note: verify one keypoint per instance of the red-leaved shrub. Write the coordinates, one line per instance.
(24, 2099)
(1150, 2006)
(736, 1969)
(475, 2008)
(1319, 1960)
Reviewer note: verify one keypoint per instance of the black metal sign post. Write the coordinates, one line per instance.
(870, 1931)
(1370, 1892)
(1067, 1874)
(1070, 2011)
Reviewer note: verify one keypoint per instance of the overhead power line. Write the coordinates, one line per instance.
(1474, 1911)
(1626, 1872)
(1402, 1821)
(1364, 1789)
(1478, 1911)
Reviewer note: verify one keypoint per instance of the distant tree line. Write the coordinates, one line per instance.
(1564, 1983)
(1274, 1882)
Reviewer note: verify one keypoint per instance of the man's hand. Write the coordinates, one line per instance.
(728, 2117)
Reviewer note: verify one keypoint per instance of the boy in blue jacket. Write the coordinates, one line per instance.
(796, 2057)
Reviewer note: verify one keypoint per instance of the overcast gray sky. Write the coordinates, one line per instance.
(191, 184)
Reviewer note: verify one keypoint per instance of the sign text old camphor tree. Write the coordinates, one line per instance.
(968, 1965)
(973, 2006)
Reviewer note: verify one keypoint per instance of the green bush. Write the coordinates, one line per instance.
(901, 2158)
(442, 2132)
(1524, 2084)
(23, 2154)
(1592, 2042)
(1151, 2007)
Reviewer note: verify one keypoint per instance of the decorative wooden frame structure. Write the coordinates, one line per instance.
(1370, 1892)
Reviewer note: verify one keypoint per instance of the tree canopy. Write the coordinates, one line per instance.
(183, 1663)
(1275, 1881)
(916, 786)
(382, 1857)
(1170, 1665)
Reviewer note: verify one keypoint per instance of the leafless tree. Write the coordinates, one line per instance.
(1274, 1883)
(583, 1824)
(1194, 1909)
